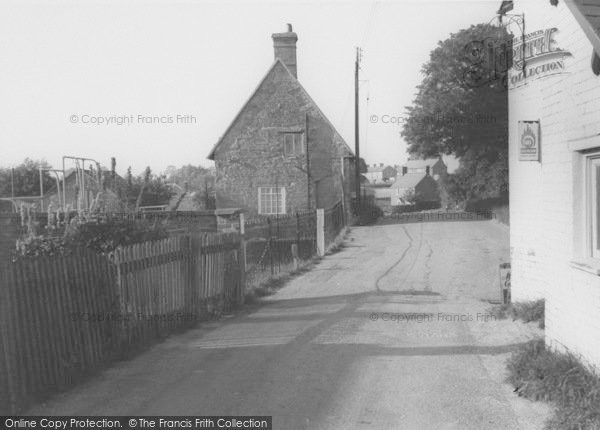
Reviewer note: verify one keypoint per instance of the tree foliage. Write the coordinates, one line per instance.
(461, 108)
(26, 179)
(147, 189)
(196, 179)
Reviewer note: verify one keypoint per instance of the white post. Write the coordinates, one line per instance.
(320, 232)
(242, 258)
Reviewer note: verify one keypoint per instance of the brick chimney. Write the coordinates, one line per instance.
(285, 48)
(427, 169)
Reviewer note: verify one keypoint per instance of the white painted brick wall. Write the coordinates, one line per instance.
(541, 197)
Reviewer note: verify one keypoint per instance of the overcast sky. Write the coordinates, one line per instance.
(65, 62)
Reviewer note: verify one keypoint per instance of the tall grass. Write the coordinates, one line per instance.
(538, 373)
(524, 311)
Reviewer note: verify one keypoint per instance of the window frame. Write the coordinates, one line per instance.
(279, 204)
(297, 143)
(592, 205)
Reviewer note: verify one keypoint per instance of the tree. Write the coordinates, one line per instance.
(26, 179)
(411, 196)
(196, 179)
(146, 189)
(362, 166)
(461, 108)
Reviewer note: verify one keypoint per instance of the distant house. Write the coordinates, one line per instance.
(82, 188)
(437, 167)
(281, 154)
(377, 174)
(419, 184)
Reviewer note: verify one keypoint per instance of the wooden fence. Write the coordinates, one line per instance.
(334, 222)
(64, 317)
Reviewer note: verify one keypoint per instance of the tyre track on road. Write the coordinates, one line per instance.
(401, 259)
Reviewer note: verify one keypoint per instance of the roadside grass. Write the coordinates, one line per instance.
(339, 243)
(275, 283)
(538, 373)
(525, 311)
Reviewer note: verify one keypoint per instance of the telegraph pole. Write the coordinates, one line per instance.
(356, 129)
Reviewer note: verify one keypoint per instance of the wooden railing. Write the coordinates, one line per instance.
(64, 317)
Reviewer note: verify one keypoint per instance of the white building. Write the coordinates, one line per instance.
(380, 174)
(554, 168)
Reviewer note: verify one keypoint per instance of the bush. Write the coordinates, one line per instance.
(540, 374)
(106, 236)
(367, 212)
(102, 236)
(525, 311)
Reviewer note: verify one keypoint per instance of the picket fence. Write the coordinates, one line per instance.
(64, 317)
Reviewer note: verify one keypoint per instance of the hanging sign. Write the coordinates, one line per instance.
(536, 55)
(529, 140)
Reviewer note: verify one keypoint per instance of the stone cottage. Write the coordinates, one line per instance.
(421, 185)
(554, 167)
(281, 154)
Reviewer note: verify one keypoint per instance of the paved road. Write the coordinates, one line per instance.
(393, 332)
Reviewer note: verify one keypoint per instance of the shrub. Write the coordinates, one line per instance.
(106, 236)
(367, 212)
(525, 311)
(102, 236)
(540, 374)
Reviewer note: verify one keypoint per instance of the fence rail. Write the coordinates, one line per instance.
(64, 317)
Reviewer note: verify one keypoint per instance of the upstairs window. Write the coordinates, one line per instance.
(271, 200)
(293, 143)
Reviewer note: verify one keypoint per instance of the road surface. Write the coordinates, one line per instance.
(393, 332)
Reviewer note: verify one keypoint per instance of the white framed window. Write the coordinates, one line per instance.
(271, 200)
(592, 185)
(293, 143)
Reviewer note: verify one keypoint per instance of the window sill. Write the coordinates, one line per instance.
(589, 265)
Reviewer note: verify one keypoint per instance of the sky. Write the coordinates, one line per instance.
(156, 83)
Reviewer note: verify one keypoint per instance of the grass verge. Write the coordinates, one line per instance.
(524, 311)
(538, 373)
(275, 283)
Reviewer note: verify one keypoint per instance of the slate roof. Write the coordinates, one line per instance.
(419, 164)
(410, 180)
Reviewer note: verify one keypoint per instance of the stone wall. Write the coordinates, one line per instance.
(251, 153)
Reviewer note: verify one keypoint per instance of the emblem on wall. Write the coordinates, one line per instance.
(529, 140)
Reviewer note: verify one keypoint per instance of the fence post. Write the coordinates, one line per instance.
(270, 246)
(320, 232)
(242, 258)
